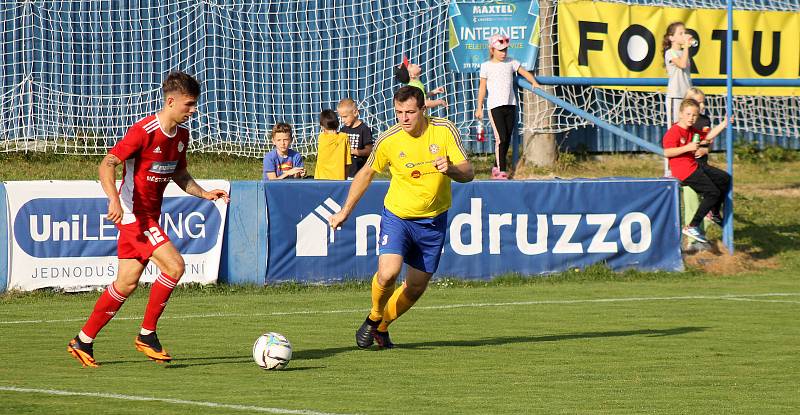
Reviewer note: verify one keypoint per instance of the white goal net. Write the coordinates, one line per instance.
(75, 74)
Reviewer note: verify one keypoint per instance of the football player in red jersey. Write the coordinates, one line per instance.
(153, 152)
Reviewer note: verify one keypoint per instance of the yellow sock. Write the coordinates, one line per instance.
(380, 295)
(397, 305)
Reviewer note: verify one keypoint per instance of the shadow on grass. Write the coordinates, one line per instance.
(767, 241)
(493, 341)
(182, 363)
(177, 362)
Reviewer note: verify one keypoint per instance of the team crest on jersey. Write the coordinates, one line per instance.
(157, 150)
(433, 148)
(402, 155)
(180, 146)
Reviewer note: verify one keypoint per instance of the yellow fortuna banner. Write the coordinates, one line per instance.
(599, 40)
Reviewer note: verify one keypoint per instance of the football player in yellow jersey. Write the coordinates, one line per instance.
(423, 155)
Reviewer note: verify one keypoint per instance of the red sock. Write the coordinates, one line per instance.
(159, 295)
(104, 309)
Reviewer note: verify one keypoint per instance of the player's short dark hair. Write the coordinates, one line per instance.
(688, 102)
(281, 127)
(410, 92)
(181, 82)
(328, 120)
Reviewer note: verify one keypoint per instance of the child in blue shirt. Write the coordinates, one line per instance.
(283, 162)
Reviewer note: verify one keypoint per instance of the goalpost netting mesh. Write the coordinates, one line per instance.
(76, 74)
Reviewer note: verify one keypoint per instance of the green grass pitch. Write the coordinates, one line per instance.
(684, 344)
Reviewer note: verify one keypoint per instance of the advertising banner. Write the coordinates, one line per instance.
(597, 40)
(472, 23)
(494, 228)
(59, 235)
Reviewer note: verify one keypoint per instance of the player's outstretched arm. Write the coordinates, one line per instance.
(107, 173)
(185, 181)
(357, 188)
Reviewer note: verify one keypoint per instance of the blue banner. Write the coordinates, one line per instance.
(472, 23)
(494, 228)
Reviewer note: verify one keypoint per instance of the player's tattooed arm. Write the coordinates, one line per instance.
(111, 160)
(185, 181)
(107, 172)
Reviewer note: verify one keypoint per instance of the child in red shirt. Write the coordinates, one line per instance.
(709, 182)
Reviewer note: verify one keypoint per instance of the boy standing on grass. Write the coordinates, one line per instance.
(333, 149)
(283, 162)
(154, 152)
(709, 182)
(359, 133)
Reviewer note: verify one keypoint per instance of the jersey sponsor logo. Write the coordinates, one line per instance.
(419, 163)
(77, 227)
(157, 150)
(416, 174)
(163, 167)
(158, 179)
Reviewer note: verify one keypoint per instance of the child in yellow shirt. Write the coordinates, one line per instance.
(333, 149)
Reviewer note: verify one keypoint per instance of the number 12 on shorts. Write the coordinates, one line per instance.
(154, 235)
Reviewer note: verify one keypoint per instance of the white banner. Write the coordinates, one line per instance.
(59, 236)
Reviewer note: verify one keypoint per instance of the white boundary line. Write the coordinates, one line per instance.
(762, 301)
(164, 400)
(735, 297)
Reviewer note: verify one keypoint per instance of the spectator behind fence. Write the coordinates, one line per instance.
(676, 44)
(710, 183)
(691, 201)
(497, 79)
(409, 73)
(703, 125)
(333, 149)
(358, 132)
(283, 162)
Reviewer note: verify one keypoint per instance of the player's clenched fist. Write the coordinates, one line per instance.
(441, 164)
(337, 219)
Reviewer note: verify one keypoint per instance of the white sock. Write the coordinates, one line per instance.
(84, 338)
(145, 332)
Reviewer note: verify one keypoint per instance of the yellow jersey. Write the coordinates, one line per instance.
(417, 189)
(333, 155)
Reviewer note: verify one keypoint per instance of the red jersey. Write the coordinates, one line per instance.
(150, 158)
(682, 165)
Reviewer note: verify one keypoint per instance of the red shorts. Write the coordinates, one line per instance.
(139, 239)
